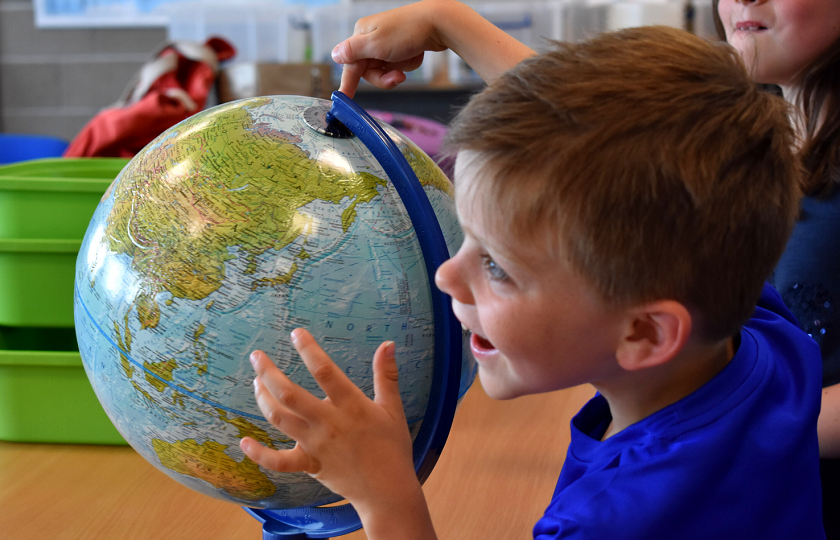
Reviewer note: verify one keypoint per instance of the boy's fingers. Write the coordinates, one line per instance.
(386, 386)
(408, 65)
(355, 65)
(293, 460)
(351, 74)
(276, 414)
(382, 78)
(280, 394)
(329, 377)
(360, 63)
(356, 47)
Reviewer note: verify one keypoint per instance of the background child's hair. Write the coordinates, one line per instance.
(657, 167)
(818, 98)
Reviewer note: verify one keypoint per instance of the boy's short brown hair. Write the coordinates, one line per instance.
(653, 161)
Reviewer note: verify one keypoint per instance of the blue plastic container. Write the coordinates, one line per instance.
(18, 147)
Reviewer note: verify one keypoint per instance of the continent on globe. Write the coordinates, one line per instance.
(235, 200)
(207, 461)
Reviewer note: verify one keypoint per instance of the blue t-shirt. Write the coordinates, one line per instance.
(736, 459)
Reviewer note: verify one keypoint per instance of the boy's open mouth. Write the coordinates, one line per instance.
(481, 344)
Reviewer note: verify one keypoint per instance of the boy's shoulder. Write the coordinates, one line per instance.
(770, 306)
(716, 463)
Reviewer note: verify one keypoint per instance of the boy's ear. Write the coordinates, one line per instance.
(655, 333)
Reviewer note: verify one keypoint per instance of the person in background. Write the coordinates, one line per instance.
(795, 46)
(623, 202)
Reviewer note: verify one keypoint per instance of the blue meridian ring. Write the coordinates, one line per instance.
(324, 522)
(447, 372)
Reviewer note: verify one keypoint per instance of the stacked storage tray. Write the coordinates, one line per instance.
(45, 208)
(45, 395)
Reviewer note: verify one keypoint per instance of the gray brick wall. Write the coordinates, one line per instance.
(52, 81)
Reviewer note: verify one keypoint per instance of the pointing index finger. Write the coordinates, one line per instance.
(350, 77)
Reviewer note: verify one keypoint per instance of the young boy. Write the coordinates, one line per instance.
(623, 201)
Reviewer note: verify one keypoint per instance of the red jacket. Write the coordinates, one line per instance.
(169, 88)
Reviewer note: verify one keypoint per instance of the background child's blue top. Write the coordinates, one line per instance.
(738, 458)
(808, 277)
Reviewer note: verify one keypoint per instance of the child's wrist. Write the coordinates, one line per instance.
(441, 16)
(399, 516)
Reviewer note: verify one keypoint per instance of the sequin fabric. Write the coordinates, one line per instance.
(813, 306)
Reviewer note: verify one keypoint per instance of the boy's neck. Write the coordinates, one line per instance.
(642, 393)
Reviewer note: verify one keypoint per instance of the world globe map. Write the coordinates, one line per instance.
(225, 233)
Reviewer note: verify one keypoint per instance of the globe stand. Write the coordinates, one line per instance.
(346, 119)
(306, 523)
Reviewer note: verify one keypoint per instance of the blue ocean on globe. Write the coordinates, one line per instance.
(226, 232)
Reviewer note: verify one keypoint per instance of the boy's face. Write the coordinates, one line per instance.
(536, 326)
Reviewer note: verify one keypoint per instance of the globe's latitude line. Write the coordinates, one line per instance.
(156, 376)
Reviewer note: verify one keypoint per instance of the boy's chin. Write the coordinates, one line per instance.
(495, 388)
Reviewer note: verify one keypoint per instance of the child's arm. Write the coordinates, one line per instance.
(828, 423)
(386, 45)
(357, 447)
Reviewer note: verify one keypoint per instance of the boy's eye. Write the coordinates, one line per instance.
(494, 270)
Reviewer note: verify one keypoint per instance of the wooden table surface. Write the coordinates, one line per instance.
(493, 480)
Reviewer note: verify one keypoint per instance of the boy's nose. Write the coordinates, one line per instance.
(747, 2)
(448, 279)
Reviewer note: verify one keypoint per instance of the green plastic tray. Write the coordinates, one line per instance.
(36, 282)
(45, 395)
(54, 197)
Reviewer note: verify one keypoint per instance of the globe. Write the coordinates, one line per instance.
(225, 233)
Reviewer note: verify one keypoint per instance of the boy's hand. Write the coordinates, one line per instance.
(357, 447)
(386, 45)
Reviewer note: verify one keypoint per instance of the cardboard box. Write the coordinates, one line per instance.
(251, 79)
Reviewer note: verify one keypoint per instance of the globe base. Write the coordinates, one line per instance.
(305, 523)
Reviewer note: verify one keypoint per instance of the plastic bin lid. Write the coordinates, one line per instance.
(101, 168)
